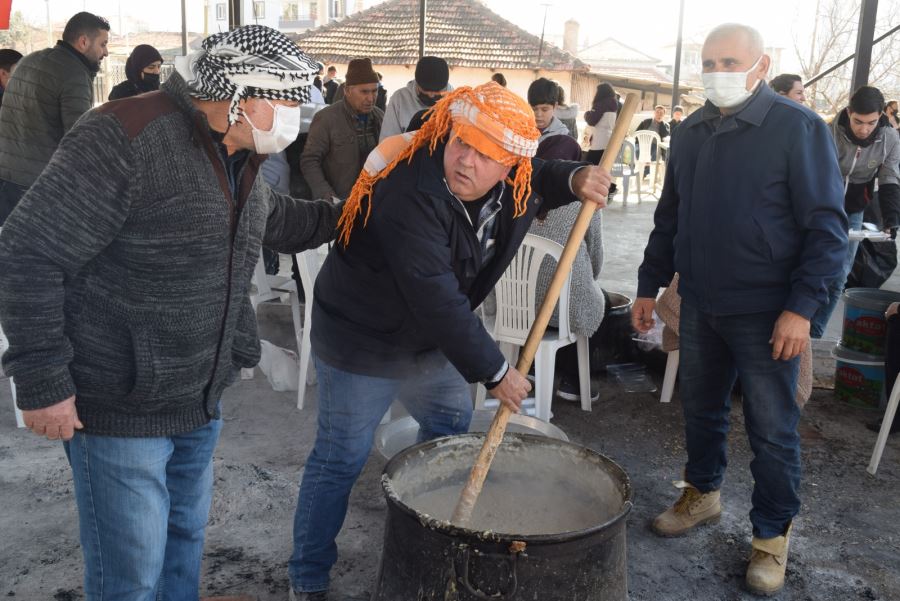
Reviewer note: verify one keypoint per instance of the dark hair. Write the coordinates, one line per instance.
(866, 100)
(604, 90)
(784, 82)
(561, 97)
(499, 78)
(678, 109)
(332, 68)
(542, 91)
(8, 58)
(84, 23)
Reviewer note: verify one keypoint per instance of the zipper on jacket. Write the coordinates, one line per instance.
(462, 208)
(232, 222)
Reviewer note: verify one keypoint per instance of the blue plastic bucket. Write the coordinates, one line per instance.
(864, 324)
(858, 377)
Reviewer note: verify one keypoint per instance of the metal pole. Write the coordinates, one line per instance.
(880, 38)
(235, 16)
(423, 7)
(677, 74)
(49, 26)
(543, 26)
(864, 42)
(184, 47)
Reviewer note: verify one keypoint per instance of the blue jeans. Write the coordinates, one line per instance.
(143, 504)
(714, 350)
(350, 409)
(819, 321)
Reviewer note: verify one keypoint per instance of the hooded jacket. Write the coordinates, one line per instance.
(404, 103)
(860, 165)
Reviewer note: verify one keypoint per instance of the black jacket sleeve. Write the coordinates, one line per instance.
(295, 225)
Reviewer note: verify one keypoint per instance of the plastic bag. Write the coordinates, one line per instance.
(873, 265)
(652, 339)
(279, 366)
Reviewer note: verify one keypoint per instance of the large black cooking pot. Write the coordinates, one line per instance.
(427, 558)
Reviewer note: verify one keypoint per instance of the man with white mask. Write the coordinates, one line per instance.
(142, 234)
(751, 217)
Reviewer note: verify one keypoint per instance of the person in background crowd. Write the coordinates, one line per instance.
(343, 134)
(677, 118)
(49, 91)
(890, 110)
(751, 218)
(499, 78)
(567, 113)
(141, 72)
(430, 84)
(331, 84)
(868, 150)
(602, 117)
(8, 60)
(586, 306)
(656, 124)
(428, 230)
(317, 82)
(381, 101)
(790, 85)
(144, 315)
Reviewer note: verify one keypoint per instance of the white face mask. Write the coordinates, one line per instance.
(727, 89)
(285, 129)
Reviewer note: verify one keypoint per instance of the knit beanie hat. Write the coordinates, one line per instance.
(432, 73)
(360, 71)
(253, 61)
(490, 118)
(140, 57)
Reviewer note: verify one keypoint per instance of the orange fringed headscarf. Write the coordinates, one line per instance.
(490, 118)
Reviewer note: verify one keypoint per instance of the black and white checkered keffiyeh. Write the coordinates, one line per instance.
(253, 61)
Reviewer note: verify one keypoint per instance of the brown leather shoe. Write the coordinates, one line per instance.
(768, 561)
(693, 509)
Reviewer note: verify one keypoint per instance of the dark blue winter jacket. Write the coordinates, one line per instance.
(752, 211)
(401, 294)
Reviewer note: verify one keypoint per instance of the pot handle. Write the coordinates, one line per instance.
(513, 579)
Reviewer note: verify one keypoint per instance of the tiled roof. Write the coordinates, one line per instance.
(464, 32)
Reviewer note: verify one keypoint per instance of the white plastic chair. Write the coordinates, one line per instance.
(644, 141)
(268, 287)
(885, 431)
(4, 344)
(668, 387)
(516, 310)
(624, 167)
(308, 263)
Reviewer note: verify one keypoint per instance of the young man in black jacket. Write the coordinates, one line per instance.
(428, 230)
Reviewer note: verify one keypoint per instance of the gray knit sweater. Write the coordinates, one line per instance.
(586, 304)
(126, 268)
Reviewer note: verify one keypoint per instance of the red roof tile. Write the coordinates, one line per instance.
(464, 32)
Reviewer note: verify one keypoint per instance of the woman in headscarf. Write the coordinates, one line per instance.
(142, 72)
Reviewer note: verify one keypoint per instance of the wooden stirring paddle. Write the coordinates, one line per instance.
(469, 496)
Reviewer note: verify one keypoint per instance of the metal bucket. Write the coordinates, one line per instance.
(578, 496)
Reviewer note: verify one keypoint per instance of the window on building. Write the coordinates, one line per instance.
(290, 11)
(313, 10)
(220, 12)
(259, 10)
